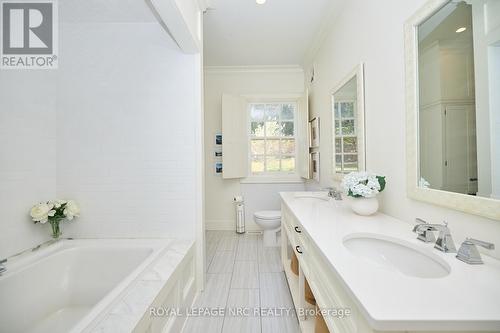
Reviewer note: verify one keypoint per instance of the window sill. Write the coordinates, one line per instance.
(272, 180)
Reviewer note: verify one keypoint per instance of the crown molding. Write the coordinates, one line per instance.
(253, 69)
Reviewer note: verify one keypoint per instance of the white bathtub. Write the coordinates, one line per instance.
(66, 286)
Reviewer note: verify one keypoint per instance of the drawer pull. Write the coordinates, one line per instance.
(297, 230)
(297, 248)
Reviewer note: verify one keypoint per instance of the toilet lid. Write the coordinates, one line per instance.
(268, 214)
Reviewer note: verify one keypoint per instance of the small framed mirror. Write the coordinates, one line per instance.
(453, 105)
(348, 122)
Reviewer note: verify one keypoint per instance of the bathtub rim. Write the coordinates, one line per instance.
(28, 257)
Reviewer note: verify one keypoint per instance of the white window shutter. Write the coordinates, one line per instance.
(234, 137)
(303, 162)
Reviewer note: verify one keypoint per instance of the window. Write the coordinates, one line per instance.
(346, 141)
(272, 138)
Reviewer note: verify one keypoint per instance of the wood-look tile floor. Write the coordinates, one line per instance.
(247, 281)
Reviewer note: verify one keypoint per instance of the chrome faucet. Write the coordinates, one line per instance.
(469, 253)
(444, 241)
(3, 269)
(424, 235)
(334, 193)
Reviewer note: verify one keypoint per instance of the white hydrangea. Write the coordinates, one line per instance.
(362, 184)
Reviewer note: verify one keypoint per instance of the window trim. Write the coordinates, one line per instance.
(270, 176)
(358, 73)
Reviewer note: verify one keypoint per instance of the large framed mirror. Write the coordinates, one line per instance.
(348, 124)
(453, 105)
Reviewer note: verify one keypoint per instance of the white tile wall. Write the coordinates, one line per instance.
(113, 128)
(126, 150)
(27, 155)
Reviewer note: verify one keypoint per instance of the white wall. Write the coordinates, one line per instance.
(126, 138)
(218, 192)
(263, 197)
(27, 154)
(372, 32)
(113, 128)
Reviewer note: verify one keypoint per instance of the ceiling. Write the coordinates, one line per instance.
(242, 33)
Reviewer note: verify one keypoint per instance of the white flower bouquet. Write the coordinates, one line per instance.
(363, 184)
(54, 212)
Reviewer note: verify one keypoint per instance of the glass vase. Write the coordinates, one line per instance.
(56, 229)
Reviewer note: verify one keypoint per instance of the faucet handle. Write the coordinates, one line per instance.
(419, 222)
(424, 234)
(333, 193)
(469, 253)
(486, 245)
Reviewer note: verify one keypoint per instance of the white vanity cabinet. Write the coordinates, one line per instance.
(375, 299)
(325, 285)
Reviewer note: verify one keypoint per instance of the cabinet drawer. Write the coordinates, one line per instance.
(291, 227)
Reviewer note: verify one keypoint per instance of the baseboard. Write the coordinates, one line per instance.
(229, 225)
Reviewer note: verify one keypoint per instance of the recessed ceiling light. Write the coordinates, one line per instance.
(260, 2)
(462, 29)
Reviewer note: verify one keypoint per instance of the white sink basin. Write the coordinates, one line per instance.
(397, 255)
(312, 195)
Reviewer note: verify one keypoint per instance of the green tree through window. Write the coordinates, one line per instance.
(272, 137)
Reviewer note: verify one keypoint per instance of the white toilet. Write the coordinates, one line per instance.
(270, 222)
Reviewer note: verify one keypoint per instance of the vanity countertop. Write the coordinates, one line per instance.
(466, 299)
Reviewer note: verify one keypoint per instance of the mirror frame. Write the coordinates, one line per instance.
(358, 73)
(486, 207)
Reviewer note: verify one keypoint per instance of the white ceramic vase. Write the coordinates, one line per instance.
(364, 206)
